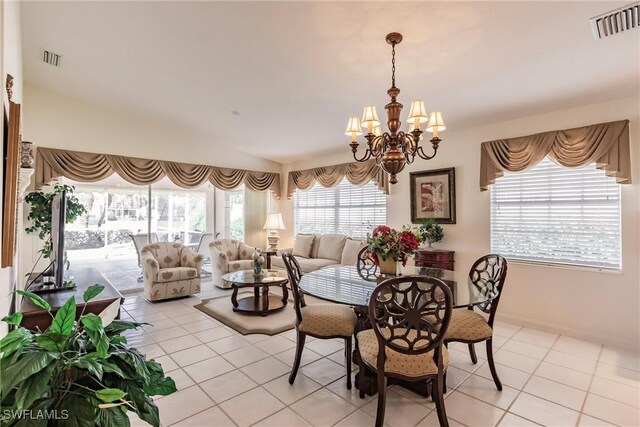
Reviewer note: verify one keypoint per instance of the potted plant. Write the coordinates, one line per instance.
(431, 232)
(77, 373)
(388, 246)
(40, 213)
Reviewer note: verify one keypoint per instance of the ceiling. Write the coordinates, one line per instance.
(296, 71)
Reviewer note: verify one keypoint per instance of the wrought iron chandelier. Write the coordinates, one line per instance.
(394, 149)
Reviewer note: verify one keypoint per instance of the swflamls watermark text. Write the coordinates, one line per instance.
(29, 414)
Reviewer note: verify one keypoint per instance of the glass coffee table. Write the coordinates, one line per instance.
(260, 303)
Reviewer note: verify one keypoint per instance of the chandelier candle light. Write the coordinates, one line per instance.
(395, 149)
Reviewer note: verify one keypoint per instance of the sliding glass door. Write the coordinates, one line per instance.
(180, 215)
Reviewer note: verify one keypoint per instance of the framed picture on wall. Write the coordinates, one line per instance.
(11, 151)
(433, 195)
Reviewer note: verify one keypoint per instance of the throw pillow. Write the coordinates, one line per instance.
(302, 245)
(351, 249)
(331, 246)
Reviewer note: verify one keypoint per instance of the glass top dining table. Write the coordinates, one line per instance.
(344, 285)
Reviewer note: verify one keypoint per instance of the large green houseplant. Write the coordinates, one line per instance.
(77, 373)
(40, 213)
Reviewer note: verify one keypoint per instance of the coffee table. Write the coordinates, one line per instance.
(260, 303)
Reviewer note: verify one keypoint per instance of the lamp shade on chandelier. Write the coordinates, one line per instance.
(394, 149)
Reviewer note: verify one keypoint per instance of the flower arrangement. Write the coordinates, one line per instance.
(384, 243)
(430, 231)
(258, 262)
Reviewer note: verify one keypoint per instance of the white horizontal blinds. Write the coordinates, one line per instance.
(553, 214)
(345, 209)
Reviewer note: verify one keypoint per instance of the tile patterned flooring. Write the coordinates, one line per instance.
(227, 379)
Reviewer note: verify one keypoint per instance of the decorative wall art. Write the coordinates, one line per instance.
(433, 195)
(11, 151)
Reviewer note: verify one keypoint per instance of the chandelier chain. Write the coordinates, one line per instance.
(393, 65)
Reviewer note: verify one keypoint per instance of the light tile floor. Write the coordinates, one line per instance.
(227, 379)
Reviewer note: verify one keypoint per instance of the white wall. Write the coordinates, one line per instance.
(57, 121)
(11, 41)
(599, 306)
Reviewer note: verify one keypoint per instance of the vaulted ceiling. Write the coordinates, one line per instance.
(295, 71)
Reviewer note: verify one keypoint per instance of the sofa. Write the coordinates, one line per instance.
(228, 255)
(316, 251)
(170, 270)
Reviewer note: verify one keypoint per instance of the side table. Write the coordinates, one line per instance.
(436, 258)
(268, 253)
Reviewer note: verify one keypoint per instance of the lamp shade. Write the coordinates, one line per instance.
(435, 122)
(274, 222)
(370, 116)
(418, 113)
(377, 130)
(353, 127)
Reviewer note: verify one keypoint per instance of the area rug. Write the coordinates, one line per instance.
(220, 308)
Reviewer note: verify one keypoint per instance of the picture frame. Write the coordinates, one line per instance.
(433, 195)
(11, 152)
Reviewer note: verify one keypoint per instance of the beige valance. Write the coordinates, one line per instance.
(606, 144)
(329, 176)
(90, 167)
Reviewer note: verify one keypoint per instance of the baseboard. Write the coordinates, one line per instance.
(570, 332)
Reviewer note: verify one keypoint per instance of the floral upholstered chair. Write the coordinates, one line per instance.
(228, 255)
(170, 270)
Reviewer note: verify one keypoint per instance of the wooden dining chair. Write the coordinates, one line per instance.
(409, 316)
(323, 321)
(488, 275)
(365, 265)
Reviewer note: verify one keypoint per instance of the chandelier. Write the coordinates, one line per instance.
(394, 149)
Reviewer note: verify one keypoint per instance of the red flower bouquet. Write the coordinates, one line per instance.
(385, 242)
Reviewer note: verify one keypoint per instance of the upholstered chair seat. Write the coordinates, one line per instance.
(228, 255)
(328, 320)
(176, 273)
(487, 275)
(323, 321)
(409, 317)
(397, 363)
(468, 325)
(170, 270)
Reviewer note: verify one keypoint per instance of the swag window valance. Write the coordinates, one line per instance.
(90, 167)
(606, 144)
(330, 176)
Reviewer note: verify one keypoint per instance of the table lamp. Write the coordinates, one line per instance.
(273, 224)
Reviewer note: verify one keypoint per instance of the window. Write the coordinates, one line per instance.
(234, 214)
(345, 209)
(555, 215)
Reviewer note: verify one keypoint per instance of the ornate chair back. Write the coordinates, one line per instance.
(142, 240)
(203, 244)
(411, 315)
(295, 273)
(365, 266)
(488, 275)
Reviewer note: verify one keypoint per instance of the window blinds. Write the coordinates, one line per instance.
(552, 214)
(345, 209)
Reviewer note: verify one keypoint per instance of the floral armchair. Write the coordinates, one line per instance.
(228, 255)
(170, 270)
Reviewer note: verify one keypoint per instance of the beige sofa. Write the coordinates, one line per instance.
(326, 250)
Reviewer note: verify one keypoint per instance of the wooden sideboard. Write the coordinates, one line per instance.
(35, 317)
(435, 259)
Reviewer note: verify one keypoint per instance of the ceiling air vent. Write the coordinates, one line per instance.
(51, 58)
(616, 21)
